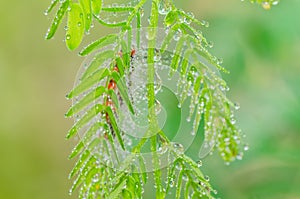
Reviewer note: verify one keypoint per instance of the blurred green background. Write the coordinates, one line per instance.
(260, 48)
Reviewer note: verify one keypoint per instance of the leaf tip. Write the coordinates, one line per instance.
(71, 132)
(69, 95)
(69, 113)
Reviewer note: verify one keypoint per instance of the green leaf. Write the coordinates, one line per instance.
(79, 147)
(179, 185)
(186, 192)
(177, 55)
(170, 18)
(110, 24)
(115, 126)
(100, 43)
(96, 77)
(57, 19)
(117, 9)
(118, 189)
(138, 26)
(80, 162)
(168, 38)
(96, 6)
(143, 171)
(123, 91)
(137, 184)
(115, 98)
(92, 131)
(121, 66)
(125, 52)
(171, 175)
(97, 62)
(75, 29)
(52, 5)
(87, 13)
(90, 114)
(90, 97)
(84, 172)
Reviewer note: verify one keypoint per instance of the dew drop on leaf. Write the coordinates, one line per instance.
(199, 163)
(206, 178)
(178, 148)
(164, 7)
(157, 107)
(236, 106)
(177, 35)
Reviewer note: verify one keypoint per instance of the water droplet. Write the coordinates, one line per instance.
(199, 163)
(172, 182)
(157, 56)
(246, 147)
(188, 119)
(184, 177)
(79, 24)
(177, 35)
(236, 106)
(178, 148)
(219, 61)
(157, 106)
(239, 156)
(205, 23)
(210, 44)
(275, 2)
(215, 191)
(142, 12)
(68, 37)
(164, 7)
(206, 178)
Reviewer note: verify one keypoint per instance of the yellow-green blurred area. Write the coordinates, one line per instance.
(260, 48)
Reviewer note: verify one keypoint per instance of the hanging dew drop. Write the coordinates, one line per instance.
(157, 56)
(178, 148)
(141, 12)
(205, 23)
(177, 35)
(210, 44)
(157, 107)
(206, 178)
(199, 163)
(237, 106)
(164, 7)
(219, 61)
(172, 183)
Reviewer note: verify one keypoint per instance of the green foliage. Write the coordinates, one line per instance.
(102, 171)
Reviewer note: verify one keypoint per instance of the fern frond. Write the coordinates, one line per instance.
(118, 89)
